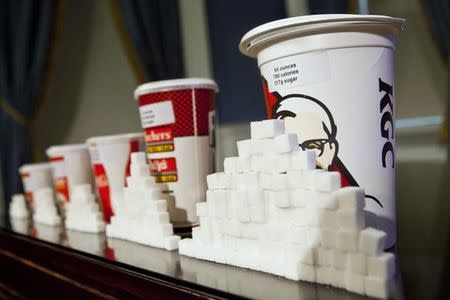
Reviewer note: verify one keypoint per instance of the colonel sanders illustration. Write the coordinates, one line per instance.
(314, 125)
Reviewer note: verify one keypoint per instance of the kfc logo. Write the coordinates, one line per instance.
(316, 130)
(387, 121)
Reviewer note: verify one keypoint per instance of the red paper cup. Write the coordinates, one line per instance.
(110, 158)
(178, 121)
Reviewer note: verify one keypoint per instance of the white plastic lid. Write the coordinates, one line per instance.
(114, 138)
(34, 167)
(267, 34)
(174, 85)
(57, 150)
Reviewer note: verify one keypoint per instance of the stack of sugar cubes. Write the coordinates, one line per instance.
(83, 212)
(18, 207)
(45, 211)
(273, 211)
(142, 215)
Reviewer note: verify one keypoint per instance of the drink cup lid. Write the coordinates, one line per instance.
(34, 167)
(175, 84)
(273, 32)
(60, 149)
(114, 138)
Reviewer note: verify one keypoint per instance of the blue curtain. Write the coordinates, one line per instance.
(328, 6)
(25, 32)
(153, 28)
(241, 97)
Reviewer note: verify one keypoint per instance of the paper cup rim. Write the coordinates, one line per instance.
(55, 150)
(114, 138)
(174, 85)
(34, 166)
(267, 34)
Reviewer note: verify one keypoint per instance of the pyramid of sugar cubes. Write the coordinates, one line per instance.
(18, 207)
(271, 210)
(142, 215)
(83, 212)
(45, 211)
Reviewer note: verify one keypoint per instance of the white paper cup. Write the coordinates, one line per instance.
(331, 78)
(71, 166)
(178, 121)
(35, 176)
(110, 158)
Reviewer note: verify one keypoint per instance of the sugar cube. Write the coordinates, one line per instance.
(327, 181)
(218, 181)
(303, 160)
(372, 241)
(138, 158)
(324, 256)
(300, 198)
(350, 219)
(266, 129)
(309, 178)
(234, 165)
(279, 198)
(354, 283)
(328, 238)
(284, 143)
(325, 200)
(324, 274)
(261, 147)
(381, 266)
(141, 170)
(277, 163)
(338, 278)
(351, 198)
(327, 218)
(245, 180)
(338, 259)
(244, 148)
(347, 240)
(295, 179)
(356, 263)
(376, 287)
(298, 234)
(306, 272)
(202, 209)
(171, 242)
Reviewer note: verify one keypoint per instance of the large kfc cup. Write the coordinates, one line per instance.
(178, 121)
(35, 176)
(71, 166)
(110, 158)
(331, 78)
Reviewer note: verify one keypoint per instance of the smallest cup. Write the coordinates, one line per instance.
(35, 176)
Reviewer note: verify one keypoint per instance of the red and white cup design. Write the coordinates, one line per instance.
(331, 78)
(34, 177)
(71, 166)
(110, 158)
(178, 121)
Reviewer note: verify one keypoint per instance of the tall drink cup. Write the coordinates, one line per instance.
(178, 121)
(331, 78)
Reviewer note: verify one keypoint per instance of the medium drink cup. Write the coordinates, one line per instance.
(35, 176)
(71, 166)
(331, 78)
(110, 159)
(178, 121)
